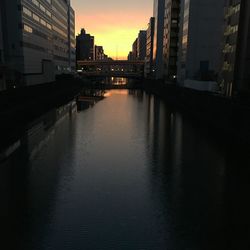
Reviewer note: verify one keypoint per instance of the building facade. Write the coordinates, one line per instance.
(85, 46)
(149, 48)
(63, 27)
(201, 24)
(135, 49)
(2, 65)
(130, 56)
(236, 48)
(99, 53)
(141, 45)
(170, 39)
(159, 9)
(36, 40)
(72, 39)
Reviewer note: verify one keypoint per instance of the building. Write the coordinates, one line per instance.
(159, 9)
(141, 45)
(85, 46)
(201, 28)
(72, 39)
(135, 49)
(236, 48)
(149, 48)
(2, 65)
(36, 40)
(63, 27)
(130, 56)
(99, 53)
(170, 39)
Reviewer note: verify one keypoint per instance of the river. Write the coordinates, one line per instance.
(125, 173)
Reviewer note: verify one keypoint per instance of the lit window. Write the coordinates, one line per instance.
(42, 8)
(49, 26)
(43, 22)
(35, 17)
(48, 13)
(35, 2)
(27, 28)
(26, 11)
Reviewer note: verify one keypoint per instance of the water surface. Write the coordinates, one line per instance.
(126, 173)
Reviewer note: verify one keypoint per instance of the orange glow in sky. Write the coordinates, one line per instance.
(114, 23)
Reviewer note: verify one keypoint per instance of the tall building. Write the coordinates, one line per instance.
(99, 53)
(135, 49)
(85, 46)
(170, 40)
(159, 7)
(149, 48)
(36, 40)
(2, 65)
(63, 27)
(72, 39)
(201, 24)
(141, 45)
(130, 56)
(236, 50)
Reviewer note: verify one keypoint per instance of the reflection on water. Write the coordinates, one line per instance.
(119, 81)
(116, 80)
(129, 173)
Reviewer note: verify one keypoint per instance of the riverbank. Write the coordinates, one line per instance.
(229, 117)
(18, 107)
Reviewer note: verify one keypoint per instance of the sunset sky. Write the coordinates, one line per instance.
(114, 23)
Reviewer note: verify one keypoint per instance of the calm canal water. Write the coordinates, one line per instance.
(126, 173)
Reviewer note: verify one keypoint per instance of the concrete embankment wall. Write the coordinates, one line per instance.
(227, 116)
(20, 106)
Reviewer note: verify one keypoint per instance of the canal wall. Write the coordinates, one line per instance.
(19, 107)
(228, 117)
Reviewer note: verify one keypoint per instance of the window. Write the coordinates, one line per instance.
(42, 8)
(43, 22)
(49, 26)
(35, 17)
(35, 2)
(48, 13)
(27, 28)
(27, 12)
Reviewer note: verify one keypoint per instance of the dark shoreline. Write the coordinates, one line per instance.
(19, 107)
(228, 117)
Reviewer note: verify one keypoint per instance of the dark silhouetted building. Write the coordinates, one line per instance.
(170, 39)
(141, 45)
(201, 31)
(2, 64)
(149, 48)
(85, 46)
(134, 49)
(159, 9)
(36, 39)
(130, 56)
(99, 53)
(236, 51)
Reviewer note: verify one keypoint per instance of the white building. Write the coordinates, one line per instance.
(201, 31)
(37, 39)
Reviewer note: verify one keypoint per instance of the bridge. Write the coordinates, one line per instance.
(112, 68)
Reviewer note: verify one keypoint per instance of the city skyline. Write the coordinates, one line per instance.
(114, 24)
